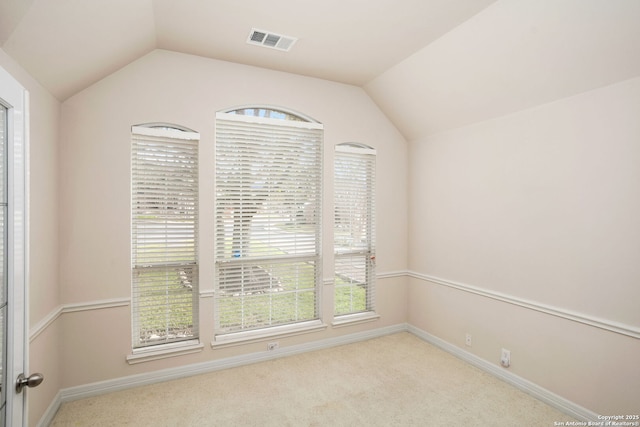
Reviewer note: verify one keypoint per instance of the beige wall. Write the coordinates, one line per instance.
(95, 193)
(44, 113)
(540, 207)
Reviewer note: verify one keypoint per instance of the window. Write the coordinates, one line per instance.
(268, 193)
(354, 229)
(267, 112)
(164, 227)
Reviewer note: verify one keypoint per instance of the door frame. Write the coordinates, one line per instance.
(16, 98)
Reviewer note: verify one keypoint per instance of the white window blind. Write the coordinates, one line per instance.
(354, 229)
(268, 210)
(164, 227)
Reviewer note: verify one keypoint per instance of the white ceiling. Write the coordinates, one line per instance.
(431, 65)
(514, 55)
(69, 44)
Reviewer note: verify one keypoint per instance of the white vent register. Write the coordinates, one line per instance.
(270, 40)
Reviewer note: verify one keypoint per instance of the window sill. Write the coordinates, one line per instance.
(148, 354)
(239, 338)
(354, 319)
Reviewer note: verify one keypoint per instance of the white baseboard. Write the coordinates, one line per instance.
(118, 384)
(540, 393)
(47, 417)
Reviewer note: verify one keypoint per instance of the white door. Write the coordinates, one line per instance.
(13, 221)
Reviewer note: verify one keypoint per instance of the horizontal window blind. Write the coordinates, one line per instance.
(354, 229)
(268, 209)
(164, 230)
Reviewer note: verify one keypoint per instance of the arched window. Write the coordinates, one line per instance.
(164, 227)
(165, 126)
(268, 211)
(268, 112)
(354, 229)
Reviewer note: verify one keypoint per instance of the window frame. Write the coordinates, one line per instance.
(188, 141)
(358, 159)
(226, 336)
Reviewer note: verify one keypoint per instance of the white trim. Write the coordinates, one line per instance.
(268, 121)
(97, 305)
(124, 383)
(392, 274)
(269, 107)
(586, 319)
(147, 354)
(50, 412)
(164, 125)
(355, 150)
(16, 99)
(354, 319)
(26, 164)
(540, 393)
(165, 132)
(620, 328)
(53, 315)
(257, 335)
(43, 324)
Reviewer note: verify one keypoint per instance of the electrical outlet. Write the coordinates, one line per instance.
(467, 340)
(273, 346)
(505, 358)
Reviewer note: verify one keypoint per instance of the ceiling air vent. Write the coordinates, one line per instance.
(271, 40)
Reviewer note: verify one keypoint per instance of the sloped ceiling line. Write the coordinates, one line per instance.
(69, 45)
(430, 65)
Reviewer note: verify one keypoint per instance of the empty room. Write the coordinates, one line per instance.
(296, 213)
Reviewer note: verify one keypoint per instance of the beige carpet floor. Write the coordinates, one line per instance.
(396, 380)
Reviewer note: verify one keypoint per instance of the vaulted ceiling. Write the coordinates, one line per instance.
(513, 55)
(70, 44)
(430, 65)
